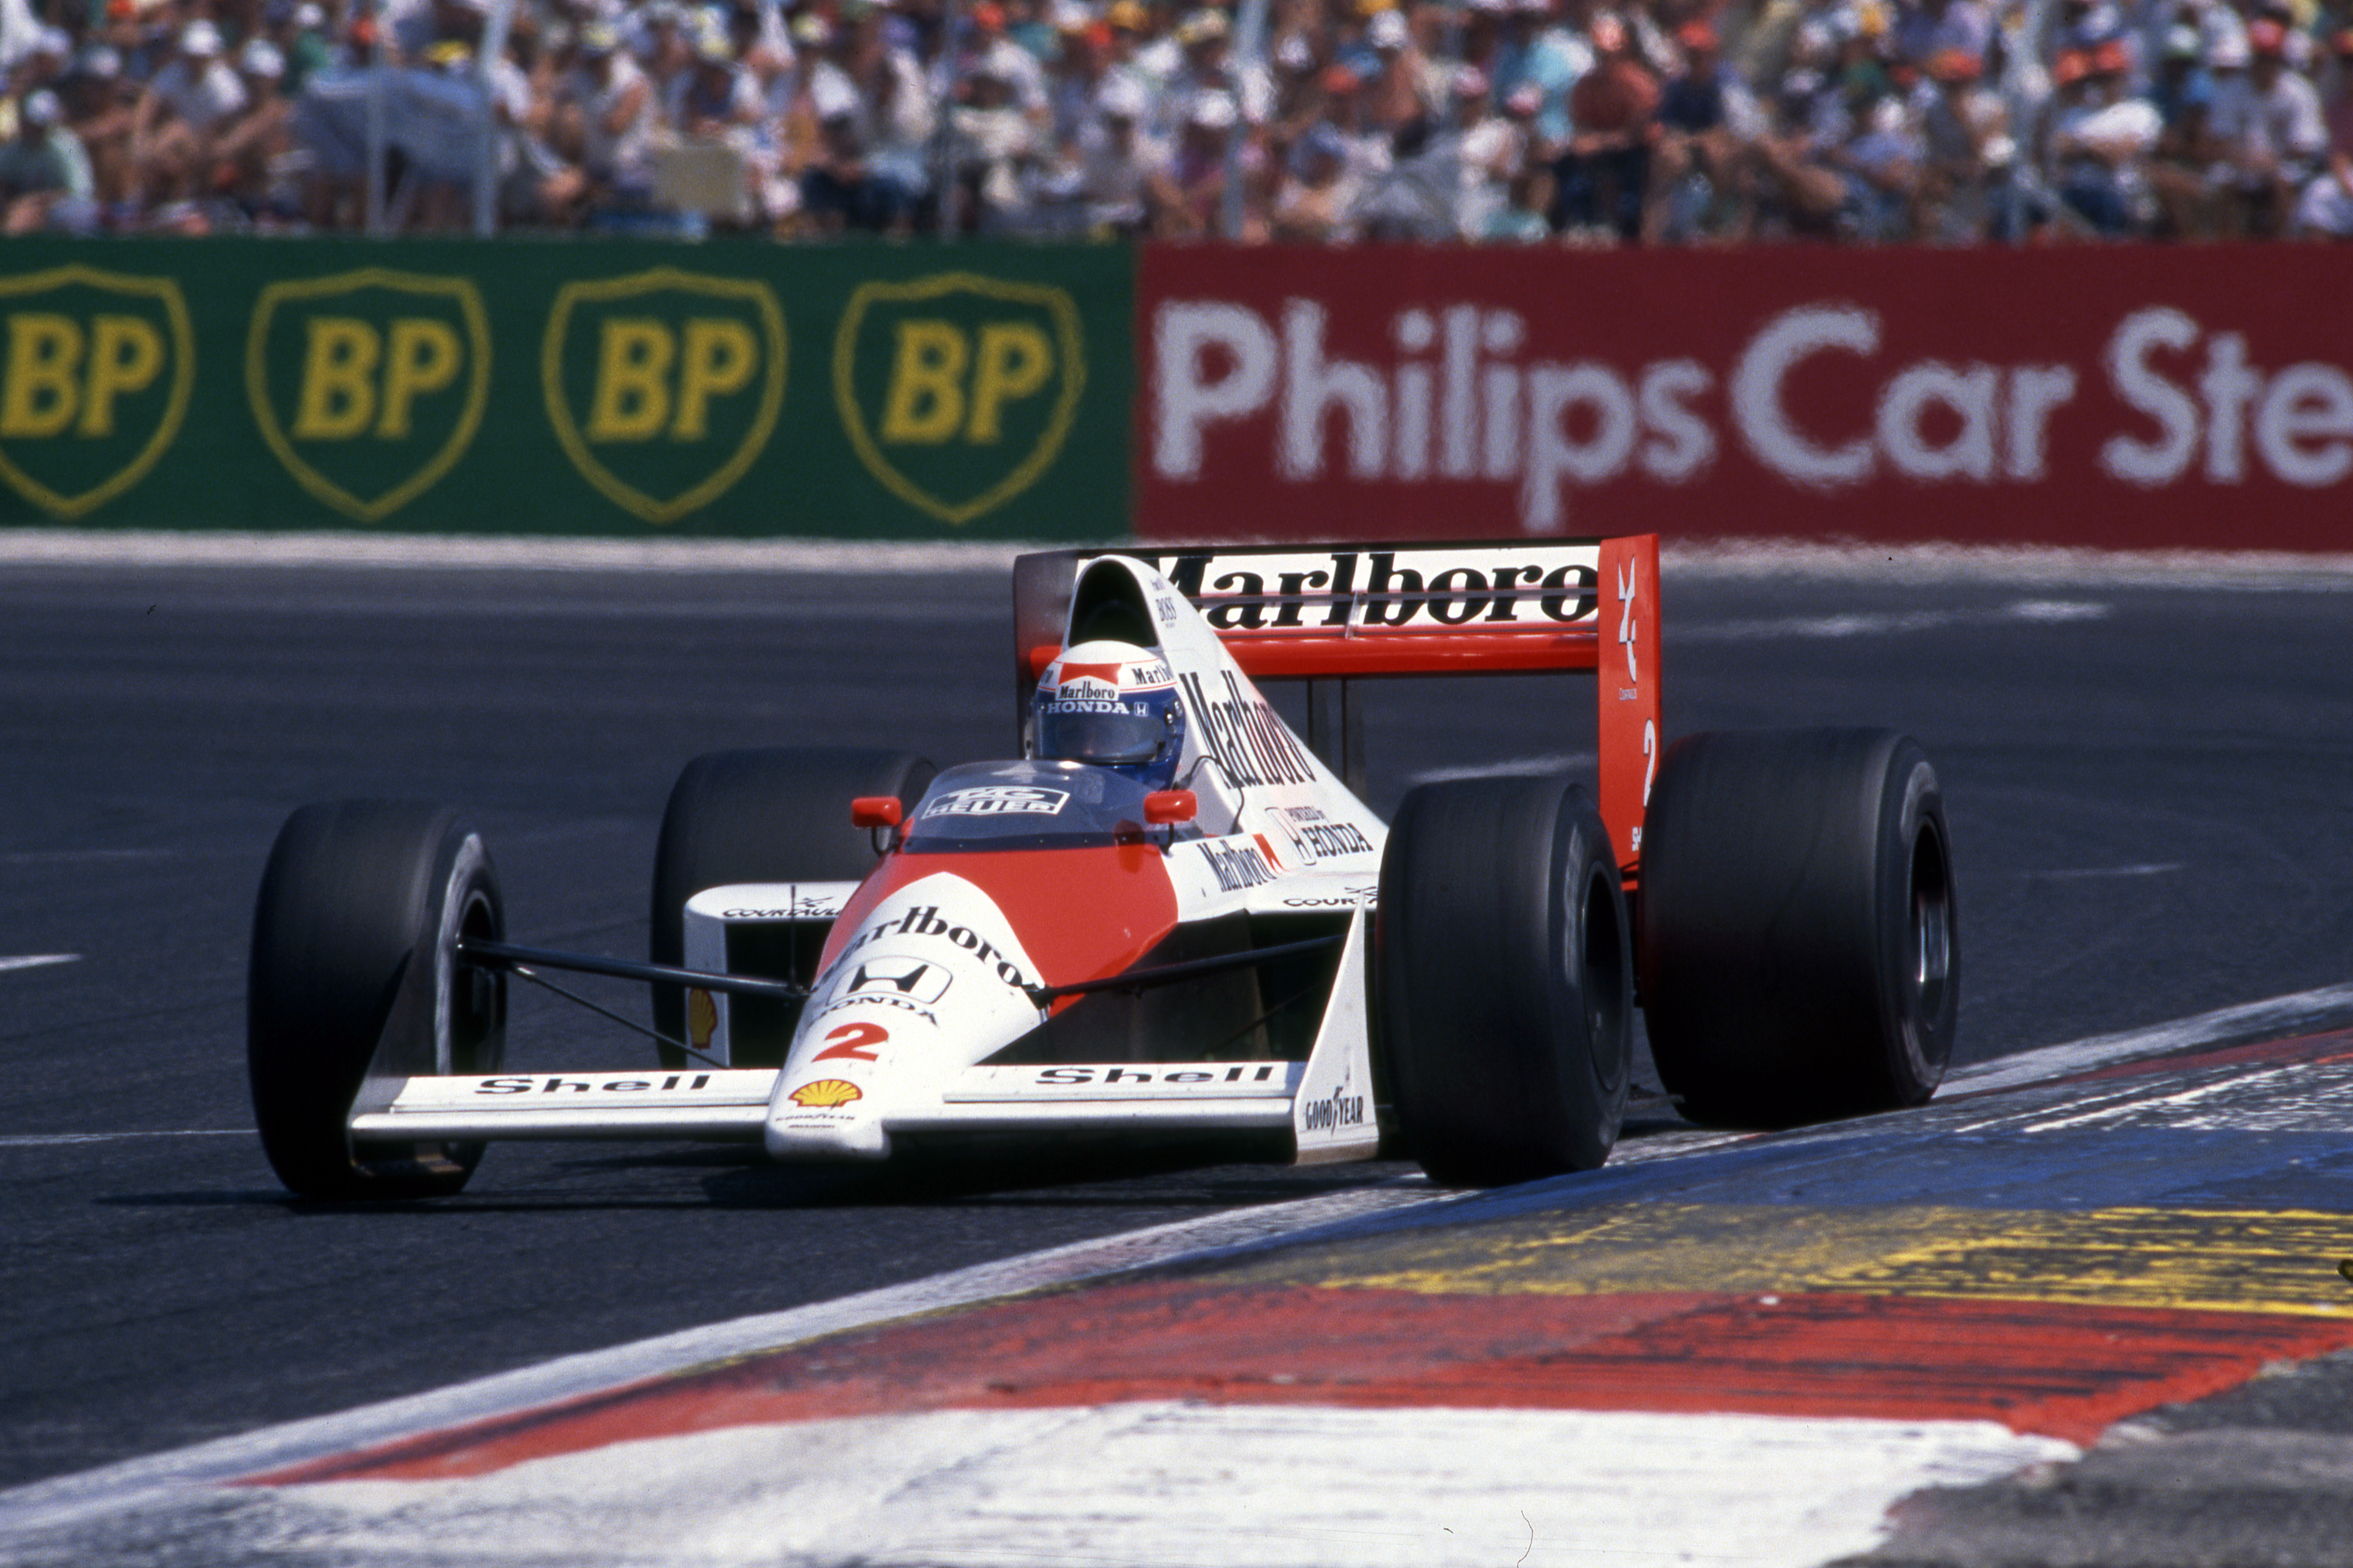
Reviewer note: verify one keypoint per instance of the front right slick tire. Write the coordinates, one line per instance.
(1503, 980)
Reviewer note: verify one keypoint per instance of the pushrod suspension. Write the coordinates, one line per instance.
(1167, 973)
(506, 955)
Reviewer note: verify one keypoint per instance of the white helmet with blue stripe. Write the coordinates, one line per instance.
(1113, 704)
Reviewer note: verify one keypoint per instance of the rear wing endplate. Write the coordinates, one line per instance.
(1337, 613)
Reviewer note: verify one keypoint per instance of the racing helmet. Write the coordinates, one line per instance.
(1113, 704)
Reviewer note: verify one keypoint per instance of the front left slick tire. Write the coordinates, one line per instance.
(354, 984)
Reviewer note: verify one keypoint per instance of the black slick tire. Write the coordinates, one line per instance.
(1503, 980)
(764, 815)
(1800, 957)
(354, 984)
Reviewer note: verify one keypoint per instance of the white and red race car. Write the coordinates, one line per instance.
(1170, 912)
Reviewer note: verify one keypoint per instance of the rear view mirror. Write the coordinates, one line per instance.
(879, 811)
(1163, 807)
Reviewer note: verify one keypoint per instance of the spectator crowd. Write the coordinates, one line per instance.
(1580, 121)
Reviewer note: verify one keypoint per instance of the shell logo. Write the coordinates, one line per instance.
(826, 1093)
(701, 1018)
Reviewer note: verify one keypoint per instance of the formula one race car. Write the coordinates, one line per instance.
(1169, 913)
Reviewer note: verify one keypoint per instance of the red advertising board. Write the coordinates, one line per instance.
(2115, 396)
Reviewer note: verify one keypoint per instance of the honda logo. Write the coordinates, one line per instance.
(915, 979)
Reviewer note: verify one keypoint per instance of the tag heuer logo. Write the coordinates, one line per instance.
(1001, 800)
(96, 369)
(664, 386)
(957, 391)
(369, 385)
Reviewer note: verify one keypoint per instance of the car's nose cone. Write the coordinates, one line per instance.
(932, 979)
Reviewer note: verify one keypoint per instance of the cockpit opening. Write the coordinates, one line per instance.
(1029, 805)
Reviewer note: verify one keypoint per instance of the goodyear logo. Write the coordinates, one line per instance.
(96, 369)
(369, 385)
(957, 390)
(664, 386)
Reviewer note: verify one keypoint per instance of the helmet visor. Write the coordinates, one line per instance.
(1083, 731)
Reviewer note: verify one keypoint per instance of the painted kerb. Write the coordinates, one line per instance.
(605, 389)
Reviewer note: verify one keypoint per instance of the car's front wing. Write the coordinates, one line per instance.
(1326, 1100)
(733, 1104)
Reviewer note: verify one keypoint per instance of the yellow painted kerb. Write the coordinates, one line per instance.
(2207, 1260)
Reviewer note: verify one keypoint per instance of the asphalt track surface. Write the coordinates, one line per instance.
(2146, 786)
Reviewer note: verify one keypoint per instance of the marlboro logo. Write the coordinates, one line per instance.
(1432, 586)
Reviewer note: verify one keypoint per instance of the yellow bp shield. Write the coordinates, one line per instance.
(96, 369)
(664, 386)
(957, 391)
(369, 385)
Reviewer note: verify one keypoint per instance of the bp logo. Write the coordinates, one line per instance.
(957, 390)
(369, 385)
(95, 372)
(664, 386)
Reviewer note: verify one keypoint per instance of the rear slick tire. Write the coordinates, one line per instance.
(1504, 982)
(1800, 955)
(354, 983)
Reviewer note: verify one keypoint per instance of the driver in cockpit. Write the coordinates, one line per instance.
(1113, 704)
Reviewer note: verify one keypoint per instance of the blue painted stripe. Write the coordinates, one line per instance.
(1880, 1163)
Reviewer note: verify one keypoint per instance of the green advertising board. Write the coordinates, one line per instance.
(575, 387)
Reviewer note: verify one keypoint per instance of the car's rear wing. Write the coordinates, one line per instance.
(1333, 614)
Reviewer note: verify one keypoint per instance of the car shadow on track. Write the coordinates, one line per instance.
(1162, 1175)
(1148, 1175)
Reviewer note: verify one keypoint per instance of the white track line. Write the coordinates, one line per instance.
(92, 1492)
(66, 857)
(1510, 767)
(2045, 612)
(76, 547)
(2276, 1017)
(1746, 560)
(1165, 1483)
(2154, 869)
(38, 960)
(1918, 566)
(50, 1140)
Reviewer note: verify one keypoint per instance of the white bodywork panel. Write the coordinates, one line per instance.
(700, 1103)
(1331, 1115)
(709, 913)
(874, 1043)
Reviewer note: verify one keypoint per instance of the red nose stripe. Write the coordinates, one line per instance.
(1082, 914)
